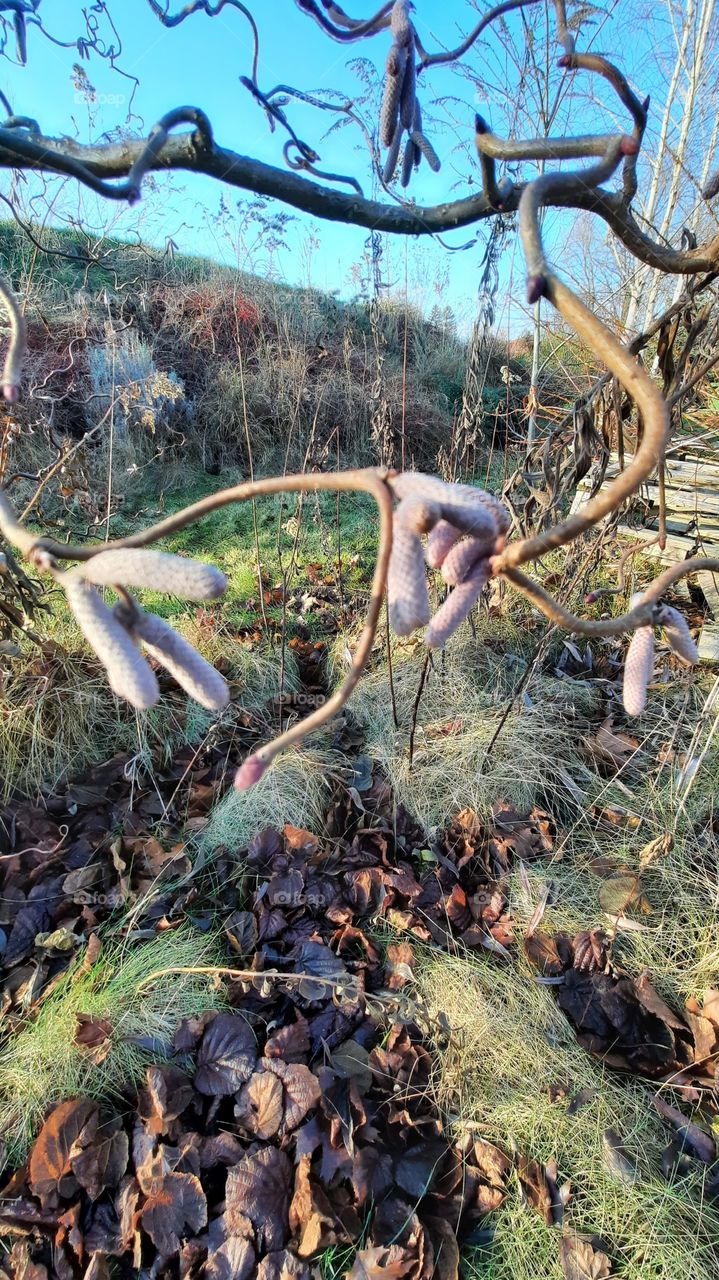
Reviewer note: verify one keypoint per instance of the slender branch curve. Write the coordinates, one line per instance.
(45, 553)
(93, 164)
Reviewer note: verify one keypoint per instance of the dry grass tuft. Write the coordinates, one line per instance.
(296, 789)
(41, 1064)
(676, 938)
(465, 697)
(509, 1043)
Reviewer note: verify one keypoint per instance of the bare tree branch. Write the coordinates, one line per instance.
(95, 164)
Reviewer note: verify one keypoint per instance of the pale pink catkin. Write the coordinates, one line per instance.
(156, 571)
(678, 634)
(459, 562)
(457, 500)
(419, 515)
(196, 676)
(407, 594)
(638, 670)
(440, 542)
(128, 674)
(458, 606)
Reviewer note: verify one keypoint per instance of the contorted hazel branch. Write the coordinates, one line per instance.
(465, 529)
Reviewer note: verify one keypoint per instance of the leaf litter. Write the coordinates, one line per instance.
(302, 1118)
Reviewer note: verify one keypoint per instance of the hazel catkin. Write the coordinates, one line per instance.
(196, 676)
(156, 571)
(128, 673)
(638, 670)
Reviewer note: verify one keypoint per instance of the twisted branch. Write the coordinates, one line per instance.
(425, 503)
(93, 164)
(45, 554)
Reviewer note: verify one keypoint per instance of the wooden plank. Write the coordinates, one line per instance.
(709, 643)
(709, 584)
(677, 548)
(698, 473)
(687, 500)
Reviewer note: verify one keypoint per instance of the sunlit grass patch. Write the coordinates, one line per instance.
(41, 1064)
(296, 789)
(509, 1043)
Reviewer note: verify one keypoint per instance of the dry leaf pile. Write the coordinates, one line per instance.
(303, 1118)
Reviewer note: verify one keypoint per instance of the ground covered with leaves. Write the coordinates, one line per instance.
(297, 1119)
(315, 1030)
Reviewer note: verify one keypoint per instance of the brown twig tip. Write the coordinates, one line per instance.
(566, 62)
(250, 772)
(480, 124)
(629, 146)
(11, 393)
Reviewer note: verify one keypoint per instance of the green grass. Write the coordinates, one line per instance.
(509, 1043)
(41, 1065)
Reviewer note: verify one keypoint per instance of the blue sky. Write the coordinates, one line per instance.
(201, 61)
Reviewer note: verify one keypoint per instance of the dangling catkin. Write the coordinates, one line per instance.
(408, 95)
(407, 163)
(638, 670)
(390, 164)
(155, 570)
(419, 515)
(400, 22)
(196, 676)
(457, 606)
(458, 501)
(459, 562)
(128, 674)
(678, 634)
(440, 541)
(407, 594)
(389, 111)
(428, 151)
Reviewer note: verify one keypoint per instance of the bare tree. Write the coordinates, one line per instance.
(467, 529)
